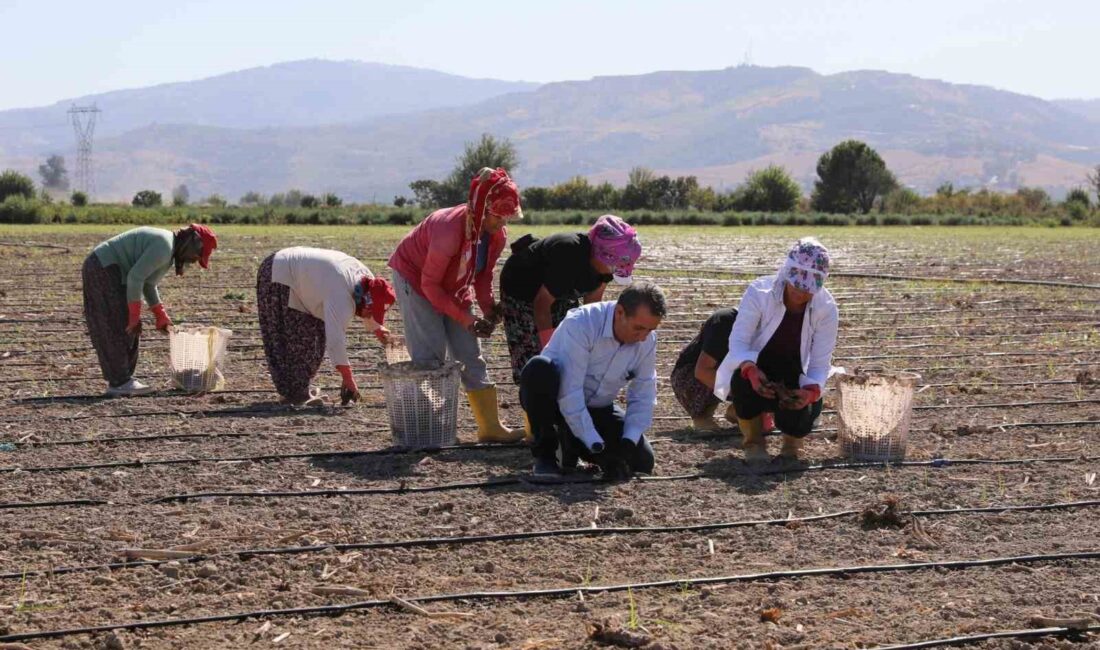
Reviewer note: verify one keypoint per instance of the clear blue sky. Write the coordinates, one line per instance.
(52, 51)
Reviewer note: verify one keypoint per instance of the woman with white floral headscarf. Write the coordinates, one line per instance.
(780, 351)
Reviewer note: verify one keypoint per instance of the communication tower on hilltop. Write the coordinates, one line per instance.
(83, 118)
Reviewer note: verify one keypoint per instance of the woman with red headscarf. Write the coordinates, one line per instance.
(439, 269)
(305, 298)
(116, 275)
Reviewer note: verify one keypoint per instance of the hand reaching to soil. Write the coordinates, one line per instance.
(759, 381)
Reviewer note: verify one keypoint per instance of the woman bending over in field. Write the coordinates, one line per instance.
(438, 270)
(116, 275)
(306, 297)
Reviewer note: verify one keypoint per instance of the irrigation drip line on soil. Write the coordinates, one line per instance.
(561, 592)
(1035, 633)
(535, 534)
(506, 481)
(399, 450)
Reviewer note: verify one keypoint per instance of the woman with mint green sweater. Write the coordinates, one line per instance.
(117, 274)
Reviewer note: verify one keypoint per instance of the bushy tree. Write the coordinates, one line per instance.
(309, 201)
(53, 173)
(901, 200)
(79, 199)
(486, 152)
(252, 198)
(1079, 195)
(331, 200)
(215, 201)
(426, 193)
(180, 195)
(147, 199)
(12, 183)
(536, 198)
(768, 190)
(1035, 199)
(851, 177)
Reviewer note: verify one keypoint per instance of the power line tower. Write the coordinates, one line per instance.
(83, 118)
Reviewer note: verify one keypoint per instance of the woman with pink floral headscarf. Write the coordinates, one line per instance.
(544, 278)
(439, 269)
(780, 351)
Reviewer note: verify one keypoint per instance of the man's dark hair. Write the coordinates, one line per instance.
(643, 293)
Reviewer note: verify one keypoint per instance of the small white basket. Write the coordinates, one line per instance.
(197, 357)
(874, 409)
(422, 404)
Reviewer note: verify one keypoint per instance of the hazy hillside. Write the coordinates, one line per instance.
(1089, 108)
(714, 124)
(298, 93)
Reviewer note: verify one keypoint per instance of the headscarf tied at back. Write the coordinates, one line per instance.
(376, 293)
(209, 243)
(492, 190)
(615, 243)
(806, 266)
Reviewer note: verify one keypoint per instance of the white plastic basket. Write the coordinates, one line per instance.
(874, 409)
(422, 404)
(197, 357)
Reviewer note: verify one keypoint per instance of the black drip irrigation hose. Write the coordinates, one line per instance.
(388, 451)
(332, 409)
(506, 481)
(392, 451)
(53, 504)
(562, 592)
(1036, 633)
(554, 482)
(537, 534)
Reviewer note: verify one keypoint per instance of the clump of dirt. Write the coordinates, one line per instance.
(1086, 377)
(609, 634)
(885, 513)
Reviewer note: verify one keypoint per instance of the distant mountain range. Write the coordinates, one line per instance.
(365, 130)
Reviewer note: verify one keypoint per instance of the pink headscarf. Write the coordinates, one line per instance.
(615, 243)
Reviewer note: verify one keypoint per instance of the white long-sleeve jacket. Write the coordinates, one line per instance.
(759, 315)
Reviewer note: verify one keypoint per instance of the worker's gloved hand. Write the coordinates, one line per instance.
(804, 397)
(133, 323)
(544, 336)
(163, 322)
(482, 328)
(759, 381)
(349, 391)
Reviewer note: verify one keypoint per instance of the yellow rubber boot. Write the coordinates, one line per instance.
(483, 402)
(791, 447)
(528, 433)
(752, 440)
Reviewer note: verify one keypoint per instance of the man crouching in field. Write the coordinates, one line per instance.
(569, 390)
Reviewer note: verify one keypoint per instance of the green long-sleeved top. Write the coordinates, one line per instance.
(143, 255)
